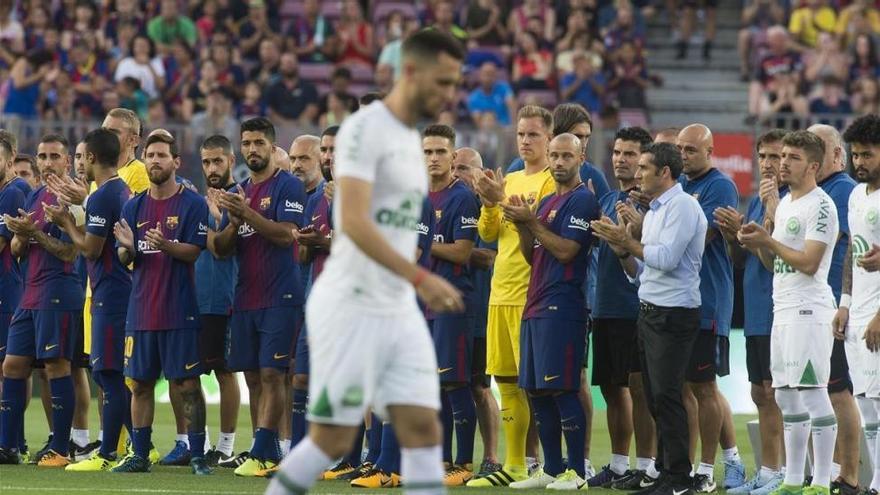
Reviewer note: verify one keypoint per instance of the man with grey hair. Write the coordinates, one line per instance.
(305, 161)
(837, 184)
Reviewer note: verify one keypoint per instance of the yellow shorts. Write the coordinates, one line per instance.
(502, 340)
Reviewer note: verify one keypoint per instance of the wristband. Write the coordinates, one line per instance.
(420, 277)
(845, 301)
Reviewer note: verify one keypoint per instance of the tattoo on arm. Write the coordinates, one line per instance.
(847, 271)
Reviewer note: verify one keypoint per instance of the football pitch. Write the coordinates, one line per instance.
(30, 480)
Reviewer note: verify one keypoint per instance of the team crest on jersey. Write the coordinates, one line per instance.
(265, 202)
(793, 226)
(171, 222)
(438, 214)
(533, 196)
(872, 216)
(551, 215)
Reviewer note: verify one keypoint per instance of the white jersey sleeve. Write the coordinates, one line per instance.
(864, 225)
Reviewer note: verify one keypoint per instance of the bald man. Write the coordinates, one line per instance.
(280, 158)
(305, 162)
(466, 163)
(839, 185)
(709, 358)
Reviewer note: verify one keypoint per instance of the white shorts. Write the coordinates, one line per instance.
(858, 358)
(800, 351)
(361, 360)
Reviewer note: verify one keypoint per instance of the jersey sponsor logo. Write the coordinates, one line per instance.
(423, 229)
(438, 238)
(469, 222)
(245, 230)
(172, 222)
(203, 229)
(793, 226)
(294, 206)
(144, 247)
(781, 267)
(578, 223)
(407, 216)
(265, 202)
(95, 220)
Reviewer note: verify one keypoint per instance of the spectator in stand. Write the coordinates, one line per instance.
(832, 100)
(256, 28)
(826, 61)
(484, 24)
(335, 111)
(216, 118)
(444, 20)
(143, 65)
(391, 29)
(576, 27)
(35, 26)
(180, 74)
(383, 79)
(171, 25)
(784, 97)
(582, 44)
(517, 21)
(623, 30)
(196, 97)
(859, 17)
(864, 59)
(252, 104)
(586, 84)
(866, 96)
(340, 81)
(126, 12)
(229, 74)
(117, 50)
(206, 24)
(532, 65)
(26, 76)
(687, 20)
(355, 36)
(131, 96)
(11, 35)
(809, 20)
(266, 70)
(85, 23)
(156, 115)
(629, 78)
(780, 60)
(757, 17)
(89, 77)
(110, 100)
(492, 96)
(60, 103)
(312, 35)
(397, 28)
(290, 98)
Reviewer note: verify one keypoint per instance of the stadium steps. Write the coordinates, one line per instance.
(694, 90)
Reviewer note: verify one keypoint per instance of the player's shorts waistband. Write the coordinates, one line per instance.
(811, 314)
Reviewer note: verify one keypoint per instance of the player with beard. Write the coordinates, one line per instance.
(215, 287)
(163, 231)
(374, 349)
(258, 224)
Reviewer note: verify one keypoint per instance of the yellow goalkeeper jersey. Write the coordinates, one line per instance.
(510, 279)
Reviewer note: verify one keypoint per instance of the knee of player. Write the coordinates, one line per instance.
(300, 381)
(142, 388)
(16, 367)
(704, 391)
(271, 377)
(252, 379)
(189, 385)
(57, 368)
(762, 396)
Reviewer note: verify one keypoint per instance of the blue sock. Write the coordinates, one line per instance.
(550, 433)
(12, 412)
(573, 423)
(374, 438)
(389, 458)
(22, 441)
(113, 408)
(63, 403)
(354, 457)
(298, 425)
(141, 438)
(264, 444)
(448, 424)
(196, 443)
(126, 420)
(464, 415)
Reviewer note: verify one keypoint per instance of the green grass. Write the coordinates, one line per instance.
(30, 480)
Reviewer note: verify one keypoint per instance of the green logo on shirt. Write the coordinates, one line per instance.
(406, 216)
(860, 247)
(793, 226)
(872, 216)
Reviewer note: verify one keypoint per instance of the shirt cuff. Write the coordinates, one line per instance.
(639, 267)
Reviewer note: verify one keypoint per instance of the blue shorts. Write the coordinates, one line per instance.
(551, 354)
(5, 318)
(301, 353)
(173, 353)
(262, 338)
(43, 334)
(108, 341)
(454, 346)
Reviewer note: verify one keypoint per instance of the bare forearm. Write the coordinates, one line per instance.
(526, 243)
(19, 246)
(64, 251)
(458, 253)
(278, 233)
(482, 258)
(224, 242)
(799, 260)
(125, 256)
(188, 253)
(737, 253)
(562, 249)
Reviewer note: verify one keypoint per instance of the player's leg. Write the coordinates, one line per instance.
(230, 404)
(734, 470)
(143, 366)
(585, 396)
(300, 385)
(796, 422)
(385, 473)
(701, 380)
(611, 356)
(20, 352)
(54, 346)
(824, 434)
(212, 353)
(80, 447)
(306, 461)
(487, 408)
(179, 455)
(284, 422)
(846, 451)
(243, 355)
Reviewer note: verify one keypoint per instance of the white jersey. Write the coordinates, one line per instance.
(812, 217)
(864, 227)
(374, 146)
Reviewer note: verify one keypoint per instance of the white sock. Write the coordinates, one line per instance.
(588, 466)
(299, 470)
(835, 471)
(875, 482)
(766, 473)
(796, 434)
(79, 437)
(870, 422)
(182, 438)
(619, 463)
(285, 447)
(731, 454)
(824, 426)
(226, 443)
(647, 464)
(531, 460)
(252, 445)
(707, 469)
(101, 436)
(423, 470)
(207, 439)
